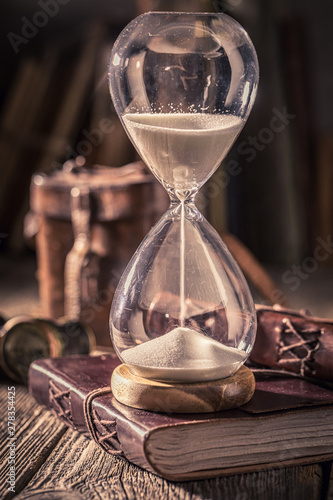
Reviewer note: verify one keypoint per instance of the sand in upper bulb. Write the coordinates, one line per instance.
(183, 149)
(183, 355)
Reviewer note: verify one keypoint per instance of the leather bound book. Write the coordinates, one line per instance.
(294, 341)
(287, 422)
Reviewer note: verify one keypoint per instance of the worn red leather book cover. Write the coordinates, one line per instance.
(287, 422)
(294, 341)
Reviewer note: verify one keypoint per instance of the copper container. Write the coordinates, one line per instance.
(90, 222)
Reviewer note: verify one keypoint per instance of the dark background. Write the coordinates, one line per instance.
(279, 205)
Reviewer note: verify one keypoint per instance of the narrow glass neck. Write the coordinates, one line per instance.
(186, 197)
(186, 208)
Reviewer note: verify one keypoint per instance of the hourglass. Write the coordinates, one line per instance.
(182, 319)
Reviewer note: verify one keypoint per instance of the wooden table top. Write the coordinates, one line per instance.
(53, 462)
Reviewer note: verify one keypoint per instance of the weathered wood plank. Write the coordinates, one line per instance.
(36, 432)
(77, 464)
(330, 486)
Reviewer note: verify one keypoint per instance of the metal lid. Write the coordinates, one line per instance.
(24, 339)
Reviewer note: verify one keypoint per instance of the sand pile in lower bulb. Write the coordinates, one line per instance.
(183, 348)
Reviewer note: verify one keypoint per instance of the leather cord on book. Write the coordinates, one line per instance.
(60, 402)
(92, 421)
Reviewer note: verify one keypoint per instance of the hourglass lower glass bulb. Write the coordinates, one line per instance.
(188, 322)
(183, 85)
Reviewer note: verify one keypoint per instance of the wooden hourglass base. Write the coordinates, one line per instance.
(200, 397)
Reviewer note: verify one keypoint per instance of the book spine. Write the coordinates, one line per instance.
(89, 413)
(55, 395)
